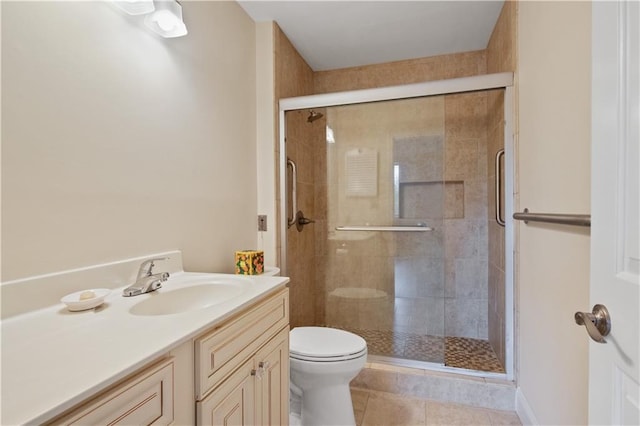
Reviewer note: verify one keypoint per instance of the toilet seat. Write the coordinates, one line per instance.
(322, 344)
(328, 359)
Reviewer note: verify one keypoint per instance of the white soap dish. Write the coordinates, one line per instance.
(85, 299)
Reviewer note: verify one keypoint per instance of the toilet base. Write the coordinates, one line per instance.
(294, 419)
(327, 406)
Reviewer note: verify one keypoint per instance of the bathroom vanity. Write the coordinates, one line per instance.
(219, 362)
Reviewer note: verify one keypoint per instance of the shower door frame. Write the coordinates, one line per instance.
(430, 88)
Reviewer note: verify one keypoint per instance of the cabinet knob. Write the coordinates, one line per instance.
(257, 373)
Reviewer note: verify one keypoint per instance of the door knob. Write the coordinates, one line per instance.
(597, 323)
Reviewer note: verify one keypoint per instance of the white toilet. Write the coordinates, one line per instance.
(323, 361)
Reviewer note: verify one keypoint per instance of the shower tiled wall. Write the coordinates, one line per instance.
(402, 72)
(293, 77)
(302, 140)
(496, 247)
(501, 56)
(466, 235)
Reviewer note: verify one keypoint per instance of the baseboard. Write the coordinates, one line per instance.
(524, 409)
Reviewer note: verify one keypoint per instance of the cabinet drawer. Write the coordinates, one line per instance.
(221, 351)
(145, 399)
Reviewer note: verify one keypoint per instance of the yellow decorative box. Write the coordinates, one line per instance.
(250, 262)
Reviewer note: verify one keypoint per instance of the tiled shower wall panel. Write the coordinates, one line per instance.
(293, 77)
(501, 57)
(496, 284)
(465, 241)
(300, 245)
(432, 68)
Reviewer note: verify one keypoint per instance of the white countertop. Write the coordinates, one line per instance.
(52, 359)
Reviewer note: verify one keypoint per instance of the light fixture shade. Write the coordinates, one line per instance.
(166, 20)
(135, 7)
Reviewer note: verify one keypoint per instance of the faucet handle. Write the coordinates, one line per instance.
(143, 271)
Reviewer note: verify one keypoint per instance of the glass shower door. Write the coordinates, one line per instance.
(381, 259)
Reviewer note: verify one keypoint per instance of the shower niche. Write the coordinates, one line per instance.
(419, 189)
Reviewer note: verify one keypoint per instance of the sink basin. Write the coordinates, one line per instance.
(167, 301)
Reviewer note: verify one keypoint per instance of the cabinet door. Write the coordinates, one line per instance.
(272, 381)
(233, 402)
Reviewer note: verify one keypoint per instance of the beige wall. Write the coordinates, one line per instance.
(266, 141)
(553, 261)
(117, 143)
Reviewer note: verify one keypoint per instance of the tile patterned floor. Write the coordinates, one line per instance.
(379, 408)
(459, 352)
(472, 354)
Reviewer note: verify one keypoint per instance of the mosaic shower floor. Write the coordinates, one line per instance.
(459, 352)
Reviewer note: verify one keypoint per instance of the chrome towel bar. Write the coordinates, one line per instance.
(563, 219)
(417, 228)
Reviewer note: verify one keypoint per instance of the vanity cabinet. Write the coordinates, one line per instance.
(242, 368)
(236, 373)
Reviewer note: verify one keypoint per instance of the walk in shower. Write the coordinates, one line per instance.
(394, 234)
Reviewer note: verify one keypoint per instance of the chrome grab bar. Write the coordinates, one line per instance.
(498, 179)
(417, 228)
(563, 219)
(294, 193)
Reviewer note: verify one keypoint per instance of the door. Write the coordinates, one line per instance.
(615, 254)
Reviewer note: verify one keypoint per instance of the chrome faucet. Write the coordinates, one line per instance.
(147, 281)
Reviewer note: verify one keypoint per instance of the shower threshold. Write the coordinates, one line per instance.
(432, 367)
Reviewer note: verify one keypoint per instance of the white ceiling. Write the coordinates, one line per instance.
(335, 34)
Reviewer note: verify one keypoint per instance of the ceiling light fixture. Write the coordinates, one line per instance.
(135, 7)
(166, 20)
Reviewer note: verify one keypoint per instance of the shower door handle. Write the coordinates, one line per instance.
(598, 322)
(498, 181)
(294, 194)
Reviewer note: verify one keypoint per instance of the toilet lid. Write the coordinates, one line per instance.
(324, 342)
